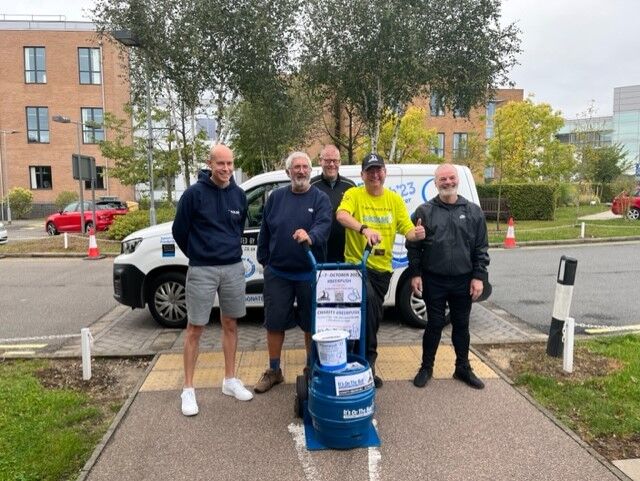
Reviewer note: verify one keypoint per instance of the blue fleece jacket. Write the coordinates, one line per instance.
(209, 222)
(284, 213)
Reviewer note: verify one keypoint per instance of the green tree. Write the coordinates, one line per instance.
(65, 197)
(266, 129)
(524, 147)
(413, 140)
(375, 56)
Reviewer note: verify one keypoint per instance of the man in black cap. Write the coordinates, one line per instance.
(373, 215)
(334, 185)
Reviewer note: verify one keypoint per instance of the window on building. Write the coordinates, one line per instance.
(40, 177)
(35, 65)
(89, 65)
(460, 150)
(38, 125)
(490, 123)
(436, 105)
(99, 179)
(438, 149)
(92, 130)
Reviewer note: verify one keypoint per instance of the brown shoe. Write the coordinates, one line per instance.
(269, 379)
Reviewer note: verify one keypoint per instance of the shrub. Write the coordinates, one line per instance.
(123, 225)
(526, 201)
(567, 195)
(65, 197)
(21, 202)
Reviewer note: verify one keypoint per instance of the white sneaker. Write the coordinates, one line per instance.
(234, 387)
(189, 404)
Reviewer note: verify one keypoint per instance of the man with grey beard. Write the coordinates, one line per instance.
(449, 267)
(293, 215)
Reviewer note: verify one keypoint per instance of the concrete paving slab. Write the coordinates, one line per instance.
(446, 431)
(630, 467)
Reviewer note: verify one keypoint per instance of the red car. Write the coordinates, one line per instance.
(68, 219)
(627, 203)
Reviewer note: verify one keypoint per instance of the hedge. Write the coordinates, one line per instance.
(123, 225)
(526, 201)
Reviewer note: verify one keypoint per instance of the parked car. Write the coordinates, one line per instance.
(151, 269)
(68, 219)
(627, 203)
(4, 237)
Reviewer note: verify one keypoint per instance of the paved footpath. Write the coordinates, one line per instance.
(122, 333)
(446, 431)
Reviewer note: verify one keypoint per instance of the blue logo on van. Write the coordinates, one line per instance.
(424, 189)
(249, 267)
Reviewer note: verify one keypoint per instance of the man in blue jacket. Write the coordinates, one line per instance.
(208, 229)
(293, 215)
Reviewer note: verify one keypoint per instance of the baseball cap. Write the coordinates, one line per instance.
(372, 160)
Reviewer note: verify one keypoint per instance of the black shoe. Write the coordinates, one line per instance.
(423, 376)
(377, 382)
(467, 376)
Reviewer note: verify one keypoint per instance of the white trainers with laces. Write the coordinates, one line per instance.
(234, 387)
(189, 404)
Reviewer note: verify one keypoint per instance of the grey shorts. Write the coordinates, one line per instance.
(203, 282)
(280, 313)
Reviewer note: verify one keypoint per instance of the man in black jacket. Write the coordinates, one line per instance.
(334, 185)
(449, 266)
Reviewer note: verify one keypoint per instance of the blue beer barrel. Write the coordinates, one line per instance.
(342, 421)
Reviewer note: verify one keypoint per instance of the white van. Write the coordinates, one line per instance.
(151, 269)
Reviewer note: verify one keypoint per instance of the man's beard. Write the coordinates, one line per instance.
(300, 184)
(448, 191)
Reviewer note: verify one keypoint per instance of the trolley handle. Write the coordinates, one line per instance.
(307, 247)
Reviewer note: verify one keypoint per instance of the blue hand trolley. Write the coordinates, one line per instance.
(338, 405)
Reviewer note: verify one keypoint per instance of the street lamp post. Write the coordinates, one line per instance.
(4, 174)
(66, 120)
(129, 39)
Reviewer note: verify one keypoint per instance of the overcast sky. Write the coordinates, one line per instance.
(574, 51)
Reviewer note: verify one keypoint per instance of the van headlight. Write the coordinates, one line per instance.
(129, 246)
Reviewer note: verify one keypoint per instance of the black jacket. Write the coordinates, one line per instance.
(456, 240)
(335, 244)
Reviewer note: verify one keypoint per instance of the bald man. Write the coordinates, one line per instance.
(208, 229)
(449, 266)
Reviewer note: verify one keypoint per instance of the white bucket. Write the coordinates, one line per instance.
(332, 349)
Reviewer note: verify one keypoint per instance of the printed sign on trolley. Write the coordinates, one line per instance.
(339, 286)
(340, 318)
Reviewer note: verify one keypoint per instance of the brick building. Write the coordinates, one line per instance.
(50, 68)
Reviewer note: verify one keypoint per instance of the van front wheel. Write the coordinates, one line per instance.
(412, 308)
(167, 300)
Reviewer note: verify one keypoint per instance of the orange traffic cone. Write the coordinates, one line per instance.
(94, 252)
(510, 239)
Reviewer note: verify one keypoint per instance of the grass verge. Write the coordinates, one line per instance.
(600, 400)
(51, 420)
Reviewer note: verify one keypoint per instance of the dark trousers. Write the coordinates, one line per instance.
(437, 292)
(377, 287)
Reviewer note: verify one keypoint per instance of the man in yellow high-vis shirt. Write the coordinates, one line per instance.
(373, 214)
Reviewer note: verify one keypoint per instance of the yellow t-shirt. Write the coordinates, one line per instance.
(386, 213)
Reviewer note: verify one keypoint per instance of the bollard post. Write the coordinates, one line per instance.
(567, 357)
(561, 304)
(85, 336)
(66, 241)
(582, 231)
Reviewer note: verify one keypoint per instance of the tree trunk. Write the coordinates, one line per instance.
(187, 167)
(375, 137)
(399, 112)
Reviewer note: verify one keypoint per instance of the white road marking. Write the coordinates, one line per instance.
(18, 353)
(22, 346)
(374, 459)
(310, 472)
(38, 338)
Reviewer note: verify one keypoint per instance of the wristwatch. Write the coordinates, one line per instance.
(363, 227)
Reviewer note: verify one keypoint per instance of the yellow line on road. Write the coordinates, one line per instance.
(604, 330)
(22, 346)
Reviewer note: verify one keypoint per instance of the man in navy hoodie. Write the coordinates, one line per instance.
(293, 215)
(208, 229)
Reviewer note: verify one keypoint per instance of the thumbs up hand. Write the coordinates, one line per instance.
(418, 231)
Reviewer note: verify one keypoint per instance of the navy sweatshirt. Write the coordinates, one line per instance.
(284, 213)
(209, 222)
